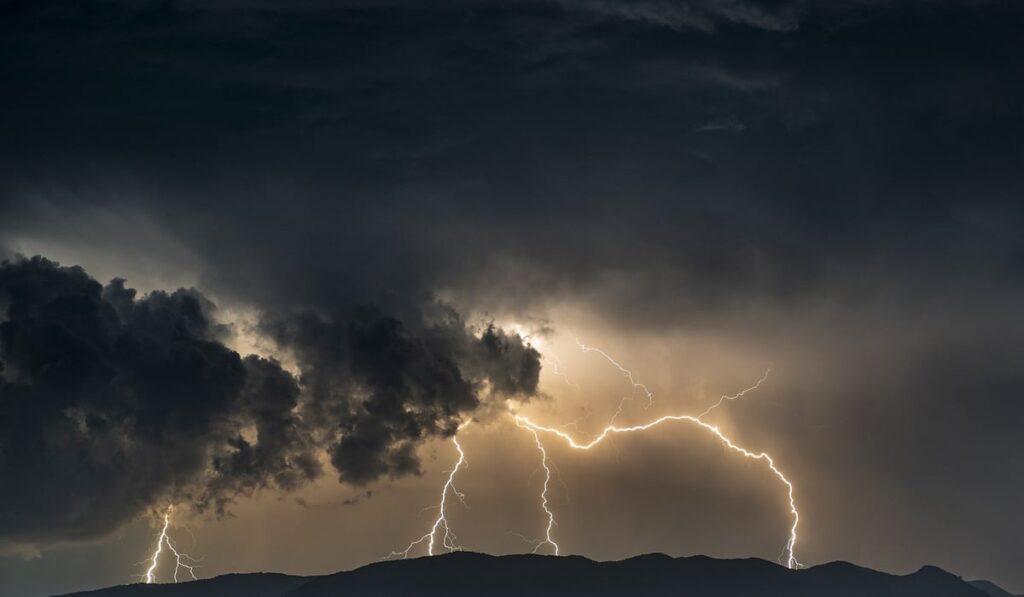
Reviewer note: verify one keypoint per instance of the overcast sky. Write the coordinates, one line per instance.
(313, 238)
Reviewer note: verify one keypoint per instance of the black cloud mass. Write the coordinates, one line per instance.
(110, 402)
(381, 386)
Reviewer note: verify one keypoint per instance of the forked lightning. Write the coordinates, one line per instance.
(180, 558)
(547, 540)
(788, 552)
(790, 546)
(448, 538)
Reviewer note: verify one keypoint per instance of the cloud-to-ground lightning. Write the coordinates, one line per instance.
(180, 558)
(448, 539)
(441, 537)
(790, 546)
(547, 540)
(524, 422)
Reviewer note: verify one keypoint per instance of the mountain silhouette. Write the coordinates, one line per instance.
(466, 574)
(991, 588)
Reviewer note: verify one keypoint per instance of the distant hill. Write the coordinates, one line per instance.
(465, 574)
(990, 588)
(257, 584)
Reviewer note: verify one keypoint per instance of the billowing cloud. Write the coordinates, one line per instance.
(110, 402)
(378, 387)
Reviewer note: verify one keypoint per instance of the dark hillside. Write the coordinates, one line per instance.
(467, 574)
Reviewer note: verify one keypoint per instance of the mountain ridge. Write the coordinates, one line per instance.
(991, 588)
(464, 574)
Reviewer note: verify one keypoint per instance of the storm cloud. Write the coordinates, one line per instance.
(380, 387)
(111, 403)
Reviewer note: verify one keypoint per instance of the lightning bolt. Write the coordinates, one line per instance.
(790, 546)
(448, 539)
(626, 373)
(557, 369)
(547, 540)
(180, 558)
(788, 552)
(737, 395)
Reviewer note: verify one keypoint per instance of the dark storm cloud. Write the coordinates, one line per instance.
(110, 403)
(701, 15)
(283, 454)
(378, 388)
(468, 145)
